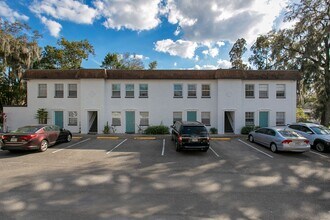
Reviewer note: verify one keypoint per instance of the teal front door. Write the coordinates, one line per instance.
(263, 119)
(191, 116)
(59, 118)
(130, 122)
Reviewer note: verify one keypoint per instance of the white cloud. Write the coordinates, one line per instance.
(136, 15)
(139, 56)
(205, 67)
(220, 43)
(53, 27)
(213, 52)
(175, 64)
(185, 49)
(215, 20)
(71, 10)
(224, 64)
(10, 14)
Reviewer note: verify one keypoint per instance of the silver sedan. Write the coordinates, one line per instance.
(280, 139)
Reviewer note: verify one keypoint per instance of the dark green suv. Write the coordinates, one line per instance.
(190, 135)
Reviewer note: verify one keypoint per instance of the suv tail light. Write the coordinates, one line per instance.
(306, 141)
(286, 141)
(180, 139)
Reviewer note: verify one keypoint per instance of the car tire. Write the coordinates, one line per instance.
(69, 138)
(43, 146)
(177, 147)
(205, 150)
(320, 147)
(273, 147)
(251, 139)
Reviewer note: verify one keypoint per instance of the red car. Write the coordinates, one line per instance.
(35, 137)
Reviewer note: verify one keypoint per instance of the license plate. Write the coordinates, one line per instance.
(194, 140)
(13, 140)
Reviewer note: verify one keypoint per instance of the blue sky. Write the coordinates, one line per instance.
(178, 34)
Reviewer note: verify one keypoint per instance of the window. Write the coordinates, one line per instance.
(59, 91)
(263, 91)
(280, 91)
(280, 118)
(129, 91)
(177, 90)
(192, 90)
(144, 118)
(115, 90)
(116, 119)
(206, 118)
(72, 91)
(177, 116)
(143, 91)
(249, 91)
(73, 118)
(249, 118)
(42, 91)
(206, 91)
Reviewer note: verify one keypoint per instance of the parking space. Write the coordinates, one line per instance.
(117, 177)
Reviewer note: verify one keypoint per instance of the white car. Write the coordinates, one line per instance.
(318, 135)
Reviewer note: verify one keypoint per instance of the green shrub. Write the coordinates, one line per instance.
(213, 131)
(106, 129)
(248, 129)
(158, 129)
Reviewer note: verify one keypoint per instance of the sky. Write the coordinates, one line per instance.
(178, 34)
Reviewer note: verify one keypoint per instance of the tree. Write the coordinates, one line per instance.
(124, 61)
(68, 55)
(18, 51)
(261, 51)
(153, 65)
(236, 54)
(112, 62)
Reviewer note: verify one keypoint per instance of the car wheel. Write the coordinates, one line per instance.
(320, 147)
(251, 139)
(69, 138)
(205, 149)
(177, 146)
(273, 147)
(43, 146)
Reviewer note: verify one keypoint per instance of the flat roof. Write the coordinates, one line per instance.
(163, 74)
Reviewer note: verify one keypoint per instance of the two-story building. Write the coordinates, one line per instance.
(85, 100)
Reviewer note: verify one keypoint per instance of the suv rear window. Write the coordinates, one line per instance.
(194, 131)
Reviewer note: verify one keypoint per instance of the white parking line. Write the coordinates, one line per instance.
(255, 148)
(116, 146)
(163, 147)
(71, 145)
(319, 154)
(214, 152)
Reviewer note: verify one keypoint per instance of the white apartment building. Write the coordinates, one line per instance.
(85, 100)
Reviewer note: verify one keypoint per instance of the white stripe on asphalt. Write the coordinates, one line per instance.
(71, 145)
(163, 147)
(319, 154)
(116, 146)
(214, 152)
(255, 148)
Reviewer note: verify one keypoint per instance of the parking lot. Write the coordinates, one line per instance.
(133, 177)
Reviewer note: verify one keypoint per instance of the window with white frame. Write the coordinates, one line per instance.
(178, 91)
(280, 91)
(143, 91)
(249, 118)
(192, 90)
(206, 118)
(59, 91)
(129, 91)
(42, 91)
(115, 91)
(177, 116)
(73, 118)
(263, 91)
(249, 90)
(72, 91)
(206, 91)
(144, 118)
(116, 118)
(280, 118)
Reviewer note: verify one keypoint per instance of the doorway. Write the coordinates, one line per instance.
(92, 122)
(191, 116)
(229, 121)
(58, 118)
(130, 122)
(263, 119)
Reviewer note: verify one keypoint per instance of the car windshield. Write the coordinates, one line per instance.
(194, 131)
(27, 129)
(321, 130)
(287, 133)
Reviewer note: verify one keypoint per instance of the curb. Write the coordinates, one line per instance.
(110, 138)
(145, 138)
(220, 139)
